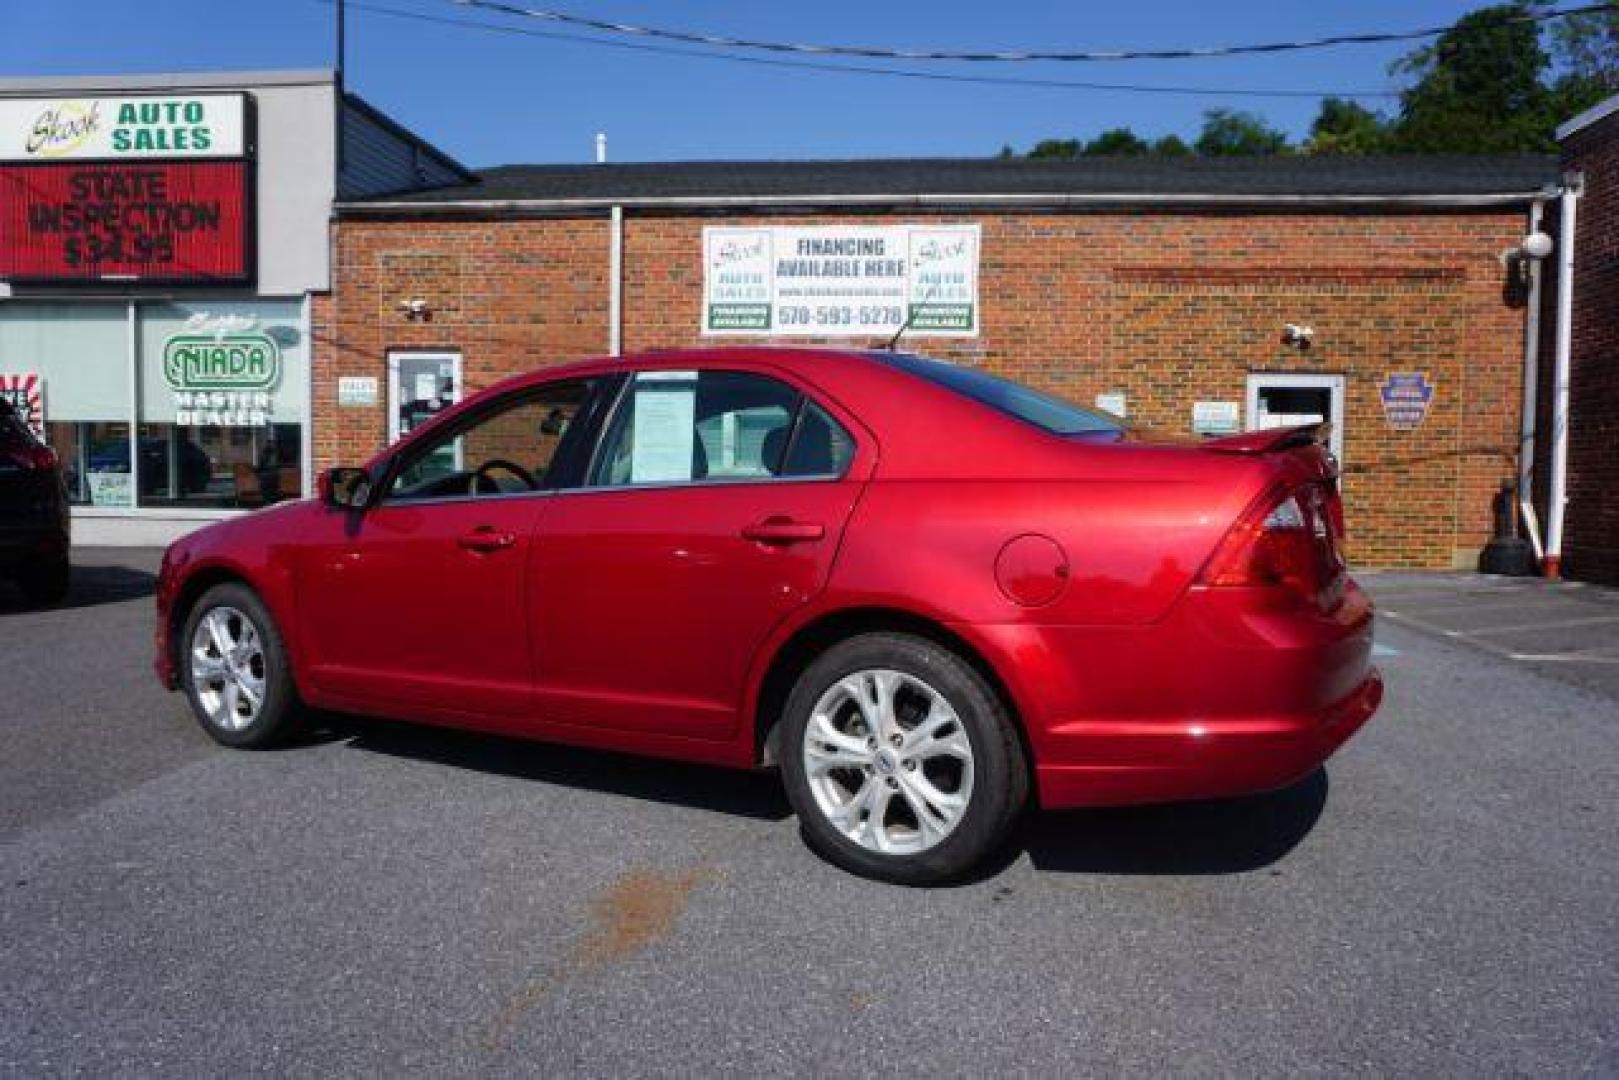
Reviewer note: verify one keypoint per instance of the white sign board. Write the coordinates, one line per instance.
(356, 390)
(110, 489)
(663, 437)
(1216, 417)
(119, 128)
(841, 281)
(1112, 403)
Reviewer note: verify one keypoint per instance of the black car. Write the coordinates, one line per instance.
(34, 524)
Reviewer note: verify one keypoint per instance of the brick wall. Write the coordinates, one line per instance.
(1591, 534)
(1167, 308)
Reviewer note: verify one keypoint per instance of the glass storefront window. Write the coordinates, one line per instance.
(79, 355)
(204, 411)
(222, 392)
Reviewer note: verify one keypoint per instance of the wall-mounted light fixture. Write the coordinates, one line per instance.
(416, 309)
(1530, 250)
(1299, 337)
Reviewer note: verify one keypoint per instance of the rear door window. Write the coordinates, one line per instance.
(1044, 411)
(693, 427)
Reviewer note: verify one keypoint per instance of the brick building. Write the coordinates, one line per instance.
(1162, 287)
(1590, 161)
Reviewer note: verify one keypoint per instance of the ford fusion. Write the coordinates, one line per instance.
(929, 596)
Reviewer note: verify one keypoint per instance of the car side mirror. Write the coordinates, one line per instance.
(345, 488)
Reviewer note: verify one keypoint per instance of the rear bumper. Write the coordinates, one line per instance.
(1176, 762)
(1234, 691)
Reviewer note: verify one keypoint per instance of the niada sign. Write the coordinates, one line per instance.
(222, 379)
(113, 128)
(841, 281)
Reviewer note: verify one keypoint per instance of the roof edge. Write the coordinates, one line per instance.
(464, 207)
(19, 85)
(1600, 111)
(388, 123)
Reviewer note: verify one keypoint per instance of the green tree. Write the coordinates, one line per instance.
(1117, 142)
(1585, 54)
(1060, 149)
(1230, 133)
(1478, 89)
(1171, 146)
(1345, 127)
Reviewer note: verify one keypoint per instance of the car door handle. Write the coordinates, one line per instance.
(783, 530)
(486, 538)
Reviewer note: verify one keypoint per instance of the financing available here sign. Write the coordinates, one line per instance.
(841, 281)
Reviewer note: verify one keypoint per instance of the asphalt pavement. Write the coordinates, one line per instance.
(1440, 899)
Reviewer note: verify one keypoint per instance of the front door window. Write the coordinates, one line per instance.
(509, 451)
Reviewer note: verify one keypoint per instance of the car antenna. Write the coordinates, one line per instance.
(909, 316)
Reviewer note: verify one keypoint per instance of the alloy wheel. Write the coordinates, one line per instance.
(228, 668)
(888, 761)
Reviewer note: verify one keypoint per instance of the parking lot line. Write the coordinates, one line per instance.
(1447, 632)
(1558, 625)
(1473, 605)
(1601, 654)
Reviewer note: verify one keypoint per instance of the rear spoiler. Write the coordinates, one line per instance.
(1272, 440)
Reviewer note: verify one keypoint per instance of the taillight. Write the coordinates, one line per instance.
(1283, 540)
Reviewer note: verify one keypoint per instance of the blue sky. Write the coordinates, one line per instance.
(490, 98)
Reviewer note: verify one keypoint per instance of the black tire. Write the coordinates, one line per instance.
(47, 583)
(279, 716)
(1000, 784)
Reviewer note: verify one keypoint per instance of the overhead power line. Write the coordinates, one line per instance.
(872, 52)
(835, 68)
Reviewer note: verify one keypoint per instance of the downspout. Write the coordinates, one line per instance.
(1557, 498)
(615, 283)
(1531, 376)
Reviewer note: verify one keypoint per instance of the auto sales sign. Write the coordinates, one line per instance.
(153, 189)
(119, 128)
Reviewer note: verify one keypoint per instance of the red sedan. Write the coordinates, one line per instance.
(921, 591)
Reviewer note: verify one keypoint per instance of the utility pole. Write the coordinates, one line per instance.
(337, 80)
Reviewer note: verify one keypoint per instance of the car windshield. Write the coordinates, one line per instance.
(1044, 411)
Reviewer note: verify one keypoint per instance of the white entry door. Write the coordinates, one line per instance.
(420, 386)
(1288, 400)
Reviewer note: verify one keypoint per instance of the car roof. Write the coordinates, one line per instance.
(787, 356)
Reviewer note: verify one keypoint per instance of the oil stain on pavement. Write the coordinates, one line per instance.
(638, 910)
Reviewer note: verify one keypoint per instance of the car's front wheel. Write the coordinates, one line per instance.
(901, 761)
(234, 667)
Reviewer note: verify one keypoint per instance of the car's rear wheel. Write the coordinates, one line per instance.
(901, 761)
(234, 667)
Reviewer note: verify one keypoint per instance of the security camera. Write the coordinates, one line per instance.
(1299, 337)
(414, 308)
(1537, 245)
